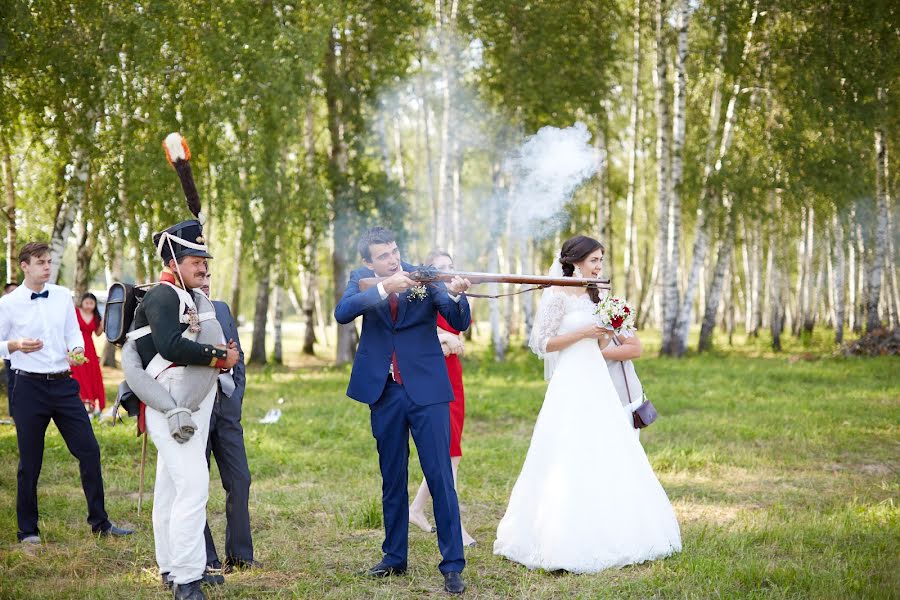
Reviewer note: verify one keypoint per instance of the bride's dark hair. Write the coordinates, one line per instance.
(575, 250)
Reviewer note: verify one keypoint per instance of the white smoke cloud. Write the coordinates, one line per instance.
(545, 172)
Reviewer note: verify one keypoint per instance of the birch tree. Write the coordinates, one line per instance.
(708, 195)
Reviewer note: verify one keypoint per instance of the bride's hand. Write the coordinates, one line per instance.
(597, 332)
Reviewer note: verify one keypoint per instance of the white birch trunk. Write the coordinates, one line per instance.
(714, 295)
(679, 115)
(497, 338)
(630, 250)
(816, 294)
(83, 256)
(860, 277)
(851, 271)
(76, 188)
(9, 210)
(429, 167)
(839, 300)
(603, 208)
(778, 282)
(399, 170)
(766, 297)
(277, 322)
(260, 316)
(678, 343)
(748, 274)
(809, 295)
(667, 281)
(891, 266)
(879, 241)
(456, 226)
(445, 26)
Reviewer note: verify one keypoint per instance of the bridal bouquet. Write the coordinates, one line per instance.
(615, 314)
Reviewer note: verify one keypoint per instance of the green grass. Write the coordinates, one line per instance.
(783, 470)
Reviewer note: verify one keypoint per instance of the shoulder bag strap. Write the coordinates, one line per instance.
(624, 373)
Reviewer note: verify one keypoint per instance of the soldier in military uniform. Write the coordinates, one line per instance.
(163, 324)
(181, 350)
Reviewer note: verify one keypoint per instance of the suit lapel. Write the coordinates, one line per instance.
(384, 311)
(401, 308)
(382, 308)
(404, 297)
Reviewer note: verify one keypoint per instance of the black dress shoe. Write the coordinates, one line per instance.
(188, 591)
(115, 531)
(240, 564)
(385, 570)
(214, 565)
(453, 583)
(212, 579)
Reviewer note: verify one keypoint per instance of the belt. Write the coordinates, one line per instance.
(44, 376)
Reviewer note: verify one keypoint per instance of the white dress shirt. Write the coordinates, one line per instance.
(51, 320)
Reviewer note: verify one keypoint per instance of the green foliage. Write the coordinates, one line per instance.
(281, 104)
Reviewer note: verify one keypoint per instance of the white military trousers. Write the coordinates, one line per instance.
(181, 490)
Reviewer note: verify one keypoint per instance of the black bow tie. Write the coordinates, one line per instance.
(44, 294)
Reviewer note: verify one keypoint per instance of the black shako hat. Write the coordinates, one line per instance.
(185, 238)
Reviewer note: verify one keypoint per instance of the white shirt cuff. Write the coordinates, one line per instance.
(381, 291)
(4, 350)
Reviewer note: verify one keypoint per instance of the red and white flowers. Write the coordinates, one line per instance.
(615, 314)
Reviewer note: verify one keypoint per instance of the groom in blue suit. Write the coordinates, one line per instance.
(400, 372)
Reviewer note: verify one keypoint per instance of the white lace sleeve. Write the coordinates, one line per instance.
(550, 314)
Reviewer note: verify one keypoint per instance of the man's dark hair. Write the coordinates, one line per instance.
(11, 284)
(375, 235)
(30, 249)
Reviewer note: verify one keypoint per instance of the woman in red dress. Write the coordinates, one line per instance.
(452, 345)
(88, 375)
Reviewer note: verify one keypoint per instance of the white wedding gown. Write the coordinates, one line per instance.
(587, 498)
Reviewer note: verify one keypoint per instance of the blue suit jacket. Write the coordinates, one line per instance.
(413, 337)
(229, 328)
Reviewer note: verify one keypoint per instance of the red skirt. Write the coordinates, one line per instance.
(89, 375)
(90, 382)
(458, 406)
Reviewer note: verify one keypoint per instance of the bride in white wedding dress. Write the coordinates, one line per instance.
(587, 498)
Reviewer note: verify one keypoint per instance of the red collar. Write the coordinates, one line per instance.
(167, 276)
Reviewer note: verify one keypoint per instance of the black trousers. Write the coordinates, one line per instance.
(10, 382)
(36, 402)
(226, 443)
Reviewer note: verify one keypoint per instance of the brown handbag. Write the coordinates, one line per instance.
(644, 414)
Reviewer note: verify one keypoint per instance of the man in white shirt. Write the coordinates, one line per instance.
(39, 333)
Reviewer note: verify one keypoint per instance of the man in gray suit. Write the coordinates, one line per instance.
(226, 443)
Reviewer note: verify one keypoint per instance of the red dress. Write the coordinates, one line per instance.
(88, 375)
(458, 406)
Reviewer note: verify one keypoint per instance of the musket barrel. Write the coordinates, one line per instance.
(429, 275)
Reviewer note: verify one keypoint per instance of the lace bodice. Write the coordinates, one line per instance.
(559, 312)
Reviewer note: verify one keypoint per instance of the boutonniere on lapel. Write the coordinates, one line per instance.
(418, 293)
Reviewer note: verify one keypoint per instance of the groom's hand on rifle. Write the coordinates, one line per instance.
(458, 285)
(398, 283)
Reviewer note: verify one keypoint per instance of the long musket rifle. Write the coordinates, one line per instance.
(426, 275)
